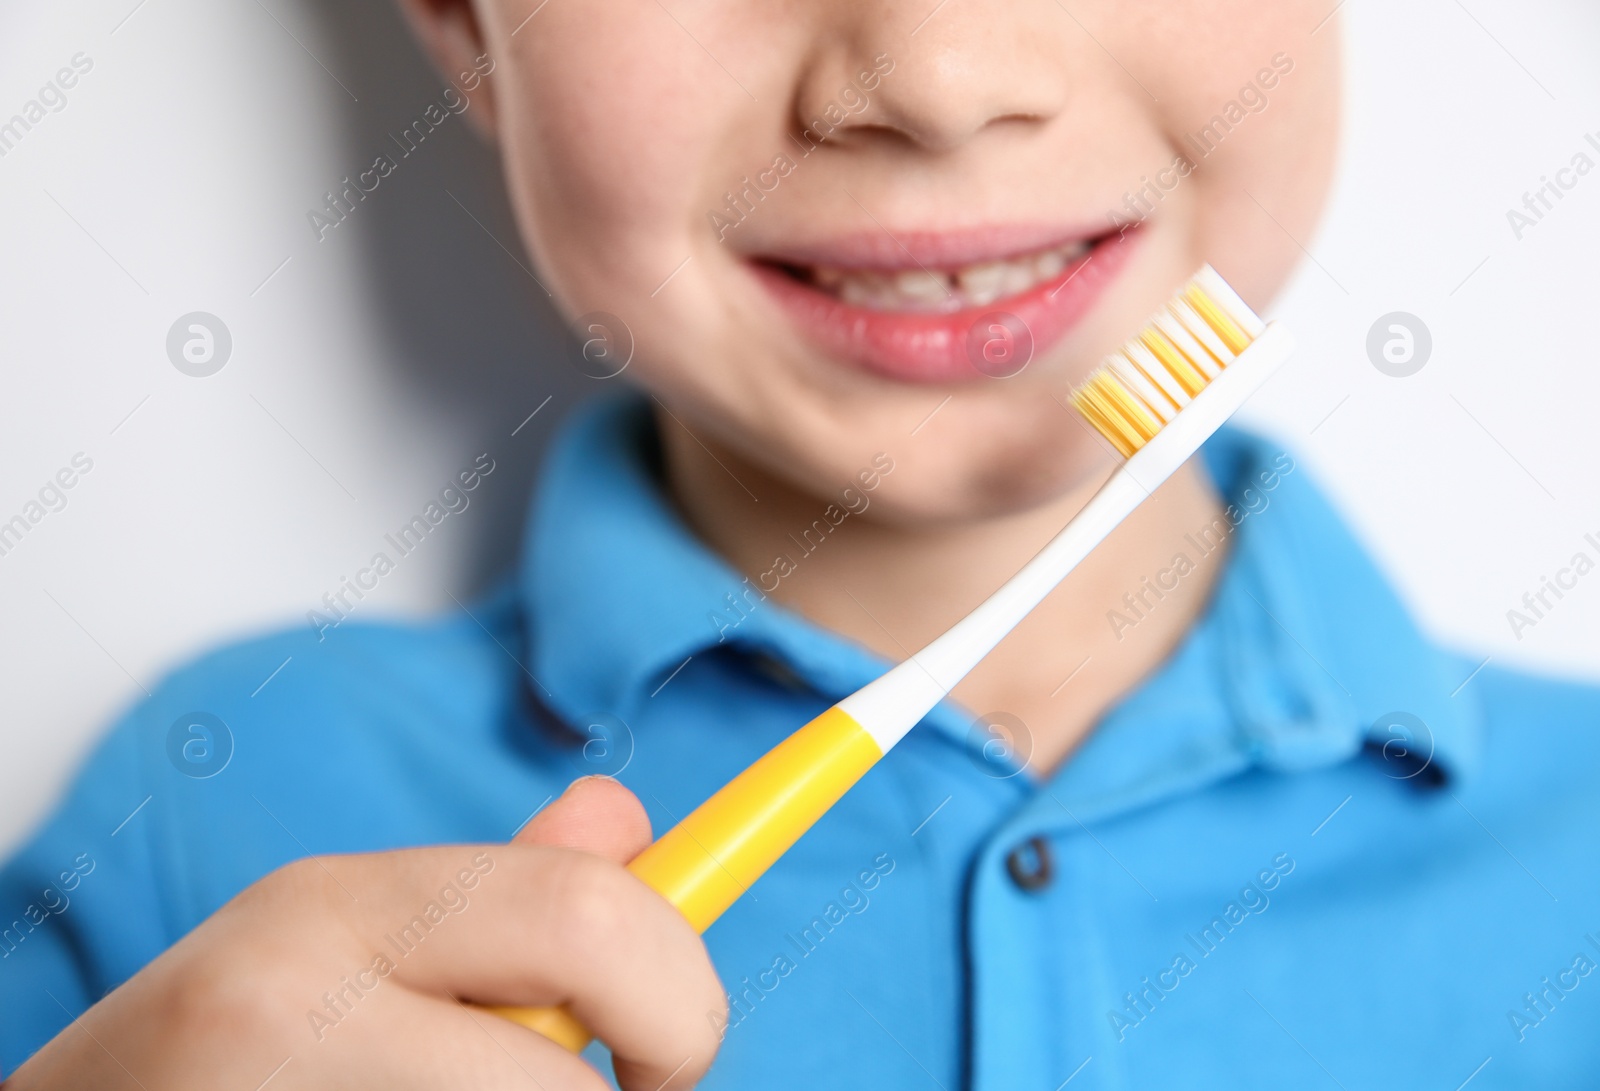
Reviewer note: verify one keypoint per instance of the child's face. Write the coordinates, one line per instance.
(878, 155)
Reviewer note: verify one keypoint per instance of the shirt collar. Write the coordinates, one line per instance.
(1303, 656)
(619, 593)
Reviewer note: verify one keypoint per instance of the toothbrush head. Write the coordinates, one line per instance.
(1138, 390)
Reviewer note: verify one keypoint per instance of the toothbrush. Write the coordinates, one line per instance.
(1156, 401)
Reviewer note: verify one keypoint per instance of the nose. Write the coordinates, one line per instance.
(935, 78)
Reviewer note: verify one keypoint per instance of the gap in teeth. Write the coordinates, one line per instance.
(946, 290)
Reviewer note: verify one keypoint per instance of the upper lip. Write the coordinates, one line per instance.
(891, 249)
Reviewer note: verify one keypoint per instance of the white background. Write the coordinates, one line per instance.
(376, 363)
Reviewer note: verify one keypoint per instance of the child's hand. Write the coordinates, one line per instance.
(346, 972)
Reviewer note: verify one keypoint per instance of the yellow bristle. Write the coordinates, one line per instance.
(1122, 415)
(1130, 407)
(1187, 319)
(1118, 415)
(1215, 317)
(1103, 424)
(1179, 366)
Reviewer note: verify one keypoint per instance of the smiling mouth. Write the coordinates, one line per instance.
(925, 290)
(923, 307)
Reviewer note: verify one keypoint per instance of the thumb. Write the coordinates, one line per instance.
(595, 815)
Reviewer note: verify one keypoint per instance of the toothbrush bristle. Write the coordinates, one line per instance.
(1134, 393)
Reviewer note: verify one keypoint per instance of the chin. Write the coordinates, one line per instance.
(989, 462)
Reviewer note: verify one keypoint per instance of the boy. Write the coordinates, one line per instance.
(1216, 812)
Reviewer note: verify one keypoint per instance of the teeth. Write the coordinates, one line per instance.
(970, 286)
(1019, 278)
(984, 283)
(923, 286)
(857, 291)
(1048, 265)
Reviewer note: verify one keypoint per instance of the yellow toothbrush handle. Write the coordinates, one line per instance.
(706, 861)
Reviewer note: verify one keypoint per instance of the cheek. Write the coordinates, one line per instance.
(608, 126)
(1262, 186)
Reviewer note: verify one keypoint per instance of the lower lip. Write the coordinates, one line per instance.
(938, 348)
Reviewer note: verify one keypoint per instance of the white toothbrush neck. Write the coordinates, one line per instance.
(894, 703)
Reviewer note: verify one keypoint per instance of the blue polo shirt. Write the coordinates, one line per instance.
(1312, 849)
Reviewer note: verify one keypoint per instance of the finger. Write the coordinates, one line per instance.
(395, 1040)
(596, 815)
(543, 926)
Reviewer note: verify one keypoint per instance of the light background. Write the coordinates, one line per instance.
(378, 362)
